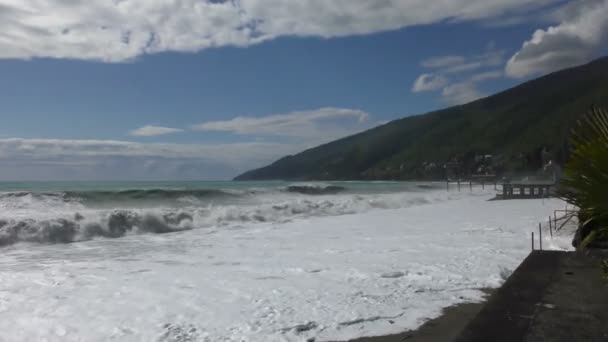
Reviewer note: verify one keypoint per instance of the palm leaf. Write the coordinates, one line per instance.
(585, 184)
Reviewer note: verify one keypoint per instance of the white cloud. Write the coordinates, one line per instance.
(152, 131)
(442, 61)
(510, 21)
(464, 89)
(27, 159)
(490, 58)
(488, 75)
(460, 93)
(324, 123)
(121, 30)
(576, 40)
(65, 147)
(64, 159)
(429, 82)
(541, 13)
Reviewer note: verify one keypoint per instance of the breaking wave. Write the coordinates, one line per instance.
(74, 222)
(66, 217)
(108, 198)
(316, 189)
(164, 196)
(78, 228)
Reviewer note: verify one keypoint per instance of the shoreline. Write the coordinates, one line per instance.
(355, 248)
(444, 328)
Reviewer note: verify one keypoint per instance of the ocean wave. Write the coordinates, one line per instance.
(135, 197)
(171, 197)
(78, 228)
(315, 189)
(67, 225)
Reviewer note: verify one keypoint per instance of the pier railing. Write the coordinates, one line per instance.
(459, 184)
(509, 190)
(559, 219)
(536, 189)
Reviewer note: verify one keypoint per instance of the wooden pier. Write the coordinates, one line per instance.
(527, 190)
(510, 190)
(482, 180)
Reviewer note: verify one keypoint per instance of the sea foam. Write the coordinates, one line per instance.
(289, 267)
(66, 217)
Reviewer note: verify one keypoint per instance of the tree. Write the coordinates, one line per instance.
(585, 184)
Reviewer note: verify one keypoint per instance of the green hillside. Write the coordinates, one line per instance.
(517, 130)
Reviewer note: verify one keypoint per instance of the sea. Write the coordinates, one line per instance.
(250, 261)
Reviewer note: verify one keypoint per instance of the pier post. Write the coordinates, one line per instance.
(540, 236)
(471, 186)
(555, 216)
(533, 241)
(459, 185)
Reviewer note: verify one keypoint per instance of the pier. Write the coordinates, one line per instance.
(536, 189)
(482, 180)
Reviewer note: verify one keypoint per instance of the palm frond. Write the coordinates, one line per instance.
(585, 184)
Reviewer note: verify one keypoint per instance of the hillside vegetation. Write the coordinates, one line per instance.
(513, 131)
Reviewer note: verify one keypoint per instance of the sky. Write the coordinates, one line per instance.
(205, 90)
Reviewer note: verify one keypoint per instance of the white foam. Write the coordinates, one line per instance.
(332, 277)
(51, 218)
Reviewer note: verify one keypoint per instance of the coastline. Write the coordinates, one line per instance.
(444, 328)
(385, 264)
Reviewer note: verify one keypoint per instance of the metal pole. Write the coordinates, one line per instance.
(471, 186)
(540, 237)
(550, 227)
(555, 216)
(532, 240)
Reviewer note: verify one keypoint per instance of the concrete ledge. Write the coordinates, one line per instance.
(552, 296)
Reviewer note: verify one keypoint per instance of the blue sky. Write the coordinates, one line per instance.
(199, 90)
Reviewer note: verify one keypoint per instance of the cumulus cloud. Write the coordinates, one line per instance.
(115, 31)
(429, 82)
(107, 159)
(324, 123)
(465, 72)
(458, 64)
(460, 93)
(575, 40)
(153, 131)
(442, 61)
(34, 148)
(488, 75)
(64, 159)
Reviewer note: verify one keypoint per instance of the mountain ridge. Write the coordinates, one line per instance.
(519, 128)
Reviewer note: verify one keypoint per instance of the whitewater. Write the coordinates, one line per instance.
(245, 261)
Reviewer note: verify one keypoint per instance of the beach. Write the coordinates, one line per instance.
(444, 328)
(281, 266)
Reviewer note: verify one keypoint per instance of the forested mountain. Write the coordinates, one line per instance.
(513, 131)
